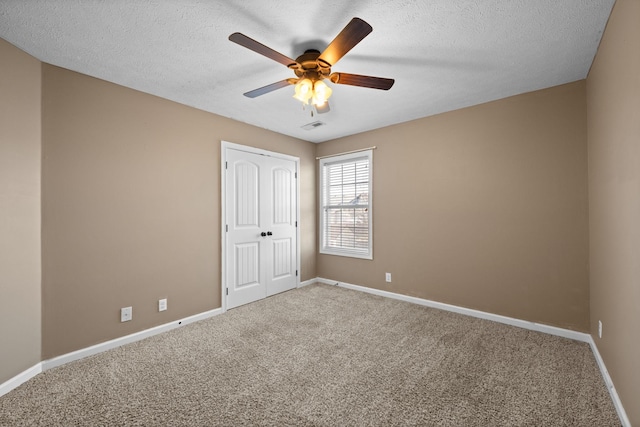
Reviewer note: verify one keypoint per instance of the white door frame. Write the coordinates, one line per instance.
(224, 146)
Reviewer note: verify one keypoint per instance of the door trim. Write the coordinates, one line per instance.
(224, 146)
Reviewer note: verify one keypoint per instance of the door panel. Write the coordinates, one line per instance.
(281, 258)
(248, 264)
(246, 192)
(261, 240)
(281, 196)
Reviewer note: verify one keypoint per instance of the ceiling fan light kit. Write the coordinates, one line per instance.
(312, 92)
(312, 67)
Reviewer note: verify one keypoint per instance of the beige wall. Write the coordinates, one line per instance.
(131, 208)
(484, 207)
(613, 111)
(20, 269)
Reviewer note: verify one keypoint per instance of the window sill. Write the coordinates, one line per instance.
(367, 256)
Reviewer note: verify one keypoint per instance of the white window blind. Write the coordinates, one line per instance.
(345, 206)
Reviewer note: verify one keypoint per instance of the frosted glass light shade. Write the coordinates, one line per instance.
(303, 90)
(321, 92)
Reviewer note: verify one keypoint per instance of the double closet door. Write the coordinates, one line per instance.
(261, 220)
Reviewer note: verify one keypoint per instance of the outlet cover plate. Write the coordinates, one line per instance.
(162, 304)
(126, 314)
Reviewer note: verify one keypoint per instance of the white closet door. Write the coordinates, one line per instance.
(261, 218)
(280, 220)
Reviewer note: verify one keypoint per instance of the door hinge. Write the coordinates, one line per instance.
(296, 174)
(296, 273)
(226, 227)
(296, 223)
(227, 291)
(226, 165)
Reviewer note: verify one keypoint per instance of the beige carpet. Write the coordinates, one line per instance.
(325, 356)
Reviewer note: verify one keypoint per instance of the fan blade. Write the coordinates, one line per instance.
(351, 35)
(364, 81)
(258, 47)
(268, 88)
(324, 108)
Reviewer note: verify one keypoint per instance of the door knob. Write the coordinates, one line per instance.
(269, 233)
(263, 234)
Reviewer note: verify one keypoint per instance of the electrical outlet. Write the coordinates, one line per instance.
(162, 304)
(126, 314)
(599, 328)
(387, 277)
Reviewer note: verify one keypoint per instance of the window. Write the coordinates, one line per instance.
(345, 205)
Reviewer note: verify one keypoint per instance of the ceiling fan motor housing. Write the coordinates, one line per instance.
(309, 66)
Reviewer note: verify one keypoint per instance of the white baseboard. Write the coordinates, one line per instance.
(22, 377)
(552, 330)
(307, 282)
(19, 379)
(609, 382)
(108, 345)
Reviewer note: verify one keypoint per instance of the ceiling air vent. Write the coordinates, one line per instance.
(313, 125)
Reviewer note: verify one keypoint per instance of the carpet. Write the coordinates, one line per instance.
(325, 356)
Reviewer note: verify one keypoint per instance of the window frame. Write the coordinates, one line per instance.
(328, 161)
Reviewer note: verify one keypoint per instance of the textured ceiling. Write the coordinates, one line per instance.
(443, 54)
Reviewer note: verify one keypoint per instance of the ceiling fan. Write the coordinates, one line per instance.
(312, 67)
